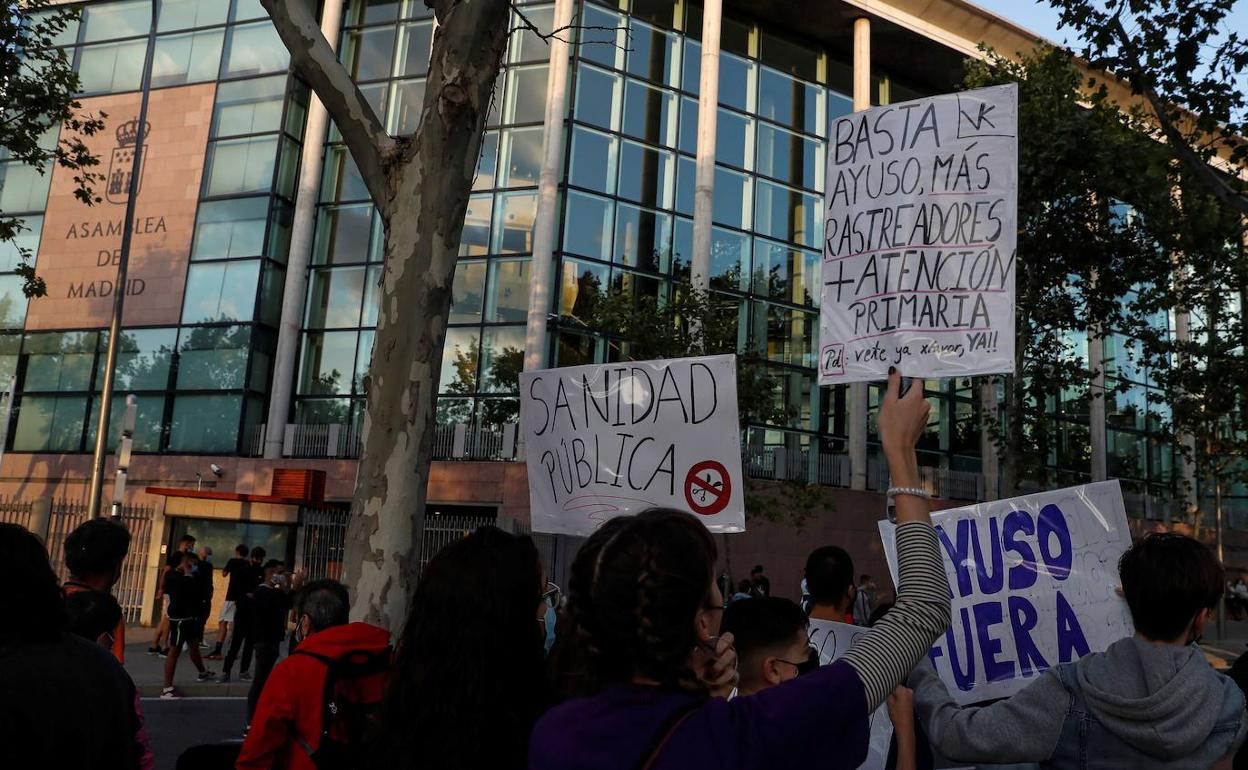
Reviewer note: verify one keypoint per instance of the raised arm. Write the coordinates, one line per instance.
(885, 655)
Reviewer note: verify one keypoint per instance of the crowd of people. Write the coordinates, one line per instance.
(648, 664)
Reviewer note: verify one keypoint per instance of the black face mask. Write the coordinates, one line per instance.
(810, 664)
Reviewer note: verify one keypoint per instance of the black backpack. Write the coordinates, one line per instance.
(355, 685)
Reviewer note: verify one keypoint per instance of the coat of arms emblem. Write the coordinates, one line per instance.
(121, 164)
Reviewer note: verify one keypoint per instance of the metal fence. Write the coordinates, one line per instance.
(14, 511)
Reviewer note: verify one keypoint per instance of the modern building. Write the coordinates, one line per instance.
(252, 295)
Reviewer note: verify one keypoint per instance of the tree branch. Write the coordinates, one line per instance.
(1190, 158)
(315, 61)
(530, 25)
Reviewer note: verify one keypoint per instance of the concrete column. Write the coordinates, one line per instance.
(858, 393)
(1096, 405)
(301, 236)
(991, 458)
(708, 112)
(546, 220)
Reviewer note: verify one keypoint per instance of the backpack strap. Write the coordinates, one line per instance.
(669, 728)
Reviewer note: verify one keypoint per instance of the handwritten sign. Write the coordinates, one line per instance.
(613, 439)
(833, 640)
(919, 237)
(1033, 582)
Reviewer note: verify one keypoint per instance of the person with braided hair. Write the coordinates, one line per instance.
(644, 597)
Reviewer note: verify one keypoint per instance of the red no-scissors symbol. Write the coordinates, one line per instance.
(708, 488)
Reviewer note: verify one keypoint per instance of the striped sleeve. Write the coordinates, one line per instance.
(885, 655)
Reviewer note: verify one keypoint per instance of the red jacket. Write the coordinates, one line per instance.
(291, 705)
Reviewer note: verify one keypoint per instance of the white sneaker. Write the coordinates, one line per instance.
(244, 677)
(169, 693)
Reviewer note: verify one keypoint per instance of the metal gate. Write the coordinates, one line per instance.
(66, 516)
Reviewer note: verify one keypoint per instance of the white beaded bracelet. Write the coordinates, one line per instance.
(912, 491)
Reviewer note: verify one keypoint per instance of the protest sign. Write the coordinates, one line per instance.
(611, 439)
(919, 236)
(1033, 581)
(833, 640)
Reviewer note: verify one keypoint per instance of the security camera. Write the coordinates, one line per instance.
(217, 470)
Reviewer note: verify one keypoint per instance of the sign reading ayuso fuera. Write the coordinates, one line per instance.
(919, 238)
(612, 439)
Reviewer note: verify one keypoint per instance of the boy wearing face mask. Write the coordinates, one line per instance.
(770, 637)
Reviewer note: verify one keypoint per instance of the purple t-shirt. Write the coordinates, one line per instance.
(821, 716)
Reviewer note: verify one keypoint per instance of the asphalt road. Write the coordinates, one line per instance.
(176, 725)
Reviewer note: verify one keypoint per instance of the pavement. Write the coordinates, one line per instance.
(148, 671)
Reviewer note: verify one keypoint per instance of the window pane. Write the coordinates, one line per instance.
(327, 363)
(467, 293)
(787, 56)
(587, 226)
(509, 291)
(736, 81)
(149, 414)
(406, 105)
(185, 14)
(281, 219)
(248, 9)
(475, 241)
(686, 181)
(522, 156)
(230, 228)
(650, 113)
(415, 41)
(190, 58)
(646, 175)
(334, 298)
(688, 140)
(785, 335)
(372, 11)
(583, 285)
(108, 21)
(239, 166)
(342, 180)
(59, 360)
(576, 349)
(502, 359)
(597, 97)
(205, 423)
(513, 223)
(12, 303)
(652, 54)
(342, 234)
(642, 238)
(786, 273)
(143, 360)
(221, 292)
(459, 361)
(601, 37)
(733, 139)
(27, 232)
(249, 106)
(487, 164)
(593, 160)
(730, 260)
(790, 157)
(111, 67)
(213, 358)
(732, 198)
(363, 359)
(49, 424)
(367, 53)
(22, 187)
(254, 49)
(526, 95)
(527, 45)
(790, 102)
(788, 215)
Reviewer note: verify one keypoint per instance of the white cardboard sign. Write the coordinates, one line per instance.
(1033, 581)
(833, 640)
(919, 238)
(612, 439)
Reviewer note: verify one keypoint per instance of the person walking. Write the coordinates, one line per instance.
(270, 607)
(65, 701)
(295, 727)
(236, 570)
(643, 591)
(186, 543)
(94, 553)
(185, 601)
(251, 578)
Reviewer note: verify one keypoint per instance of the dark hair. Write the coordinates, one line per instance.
(240, 550)
(1166, 579)
(829, 574)
(258, 553)
(636, 589)
(744, 586)
(326, 603)
(273, 564)
(762, 624)
(31, 602)
(91, 613)
(96, 547)
(757, 568)
(188, 539)
(468, 681)
(175, 559)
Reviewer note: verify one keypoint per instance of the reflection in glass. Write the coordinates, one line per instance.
(582, 286)
(406, 106)
(326, 363)
(732, 198)
(642, 238)
(646, 175)
(190, 58)
(521, 157)
(526, 94)
(468, 292)
(248, 106)
(49, 423)
(205, 423)
(334, 298)
(597, 97)
(415, 41)
(254, 49)
(790, 157)
(509, 291)
(143, 360)
(343, 234)
(59, 361)
(111, 67)
(653, 54)
(221, 291)
(502, 359)
(649, 113)
(513, 223)
(593, 160)
(475, 240)
(587, 226)
(229, 229)
(788, 215)
(734, 139)
(213, 358)
(240, 166)
(730, 259)
(460, 355)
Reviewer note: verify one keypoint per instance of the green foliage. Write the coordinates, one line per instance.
(37, 94)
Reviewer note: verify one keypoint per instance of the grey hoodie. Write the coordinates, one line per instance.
(1162, 701)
